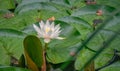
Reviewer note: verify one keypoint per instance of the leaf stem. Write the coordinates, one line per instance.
(44, 62)
(44, 58)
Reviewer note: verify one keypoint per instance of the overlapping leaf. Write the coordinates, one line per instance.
(7, 4)
(8, 68)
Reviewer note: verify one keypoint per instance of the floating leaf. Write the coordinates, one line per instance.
(8, 68)
(12, 33)
(7, 4)
(83, 56)
(59, 50)
(113, 67)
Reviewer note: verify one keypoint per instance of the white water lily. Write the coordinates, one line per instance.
(48, 31)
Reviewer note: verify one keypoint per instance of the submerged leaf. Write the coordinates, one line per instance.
(33, 50)
(31, 65)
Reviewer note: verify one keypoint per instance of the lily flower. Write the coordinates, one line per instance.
(48, 31)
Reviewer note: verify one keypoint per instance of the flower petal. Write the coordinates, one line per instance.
(52, 27)
(48, 31)
(55, 34)
(46, 40)
(36, 28)
(41, 24)
(57, 27)
(47, 23)
(61, 38)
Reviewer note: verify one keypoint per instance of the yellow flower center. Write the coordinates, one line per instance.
(47, 29)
